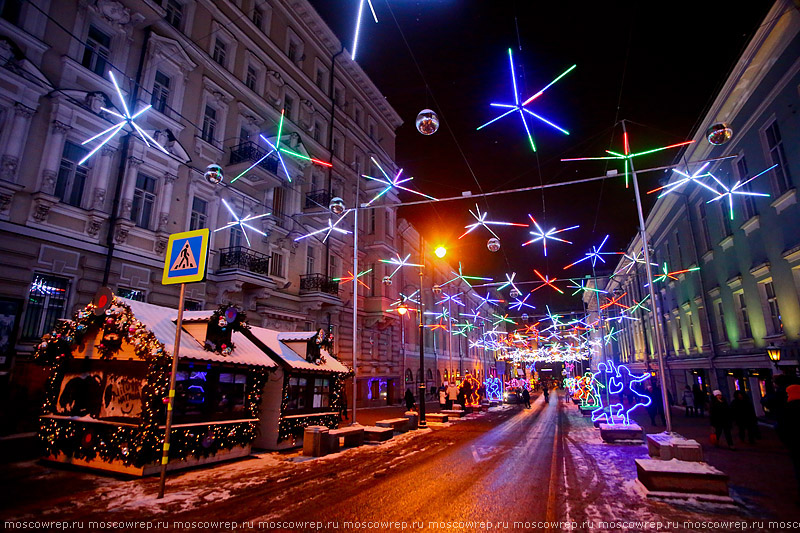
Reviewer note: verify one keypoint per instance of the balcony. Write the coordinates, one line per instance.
(319, 199)
(247, 154)
(318, 283)
(241, 258)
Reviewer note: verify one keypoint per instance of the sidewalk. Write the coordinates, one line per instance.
(761, 475)
(367, 416)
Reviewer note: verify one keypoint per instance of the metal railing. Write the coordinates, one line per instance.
(251, 152)
(318, 283)
(319, 198)
(241, 258)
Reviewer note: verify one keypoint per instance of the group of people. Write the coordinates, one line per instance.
(449, 395)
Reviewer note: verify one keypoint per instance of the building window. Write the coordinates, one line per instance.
(725, 216)
(357, 115)
(288, 105)
(144, 200)
(679, 249)
(774, 310)
(220, 51)
(47, 301)
(11, 11)
(174, 14)
(297, 393)
(160, 92)
(251, 78)
(278, 195)
(337, 147)
(131, 294)
(192, 305)
(258, 17)
(236, 237)
(372, 131)
(317, 131)
(209, 124)
(310, 268)
(723, 331)
(333, 267)
(373, 289)
(96, 51)
(276, 265)
(703, 216)
(748, 202)
(783, 180)
(337, 96)
(231, 392)
(71, 176)
(371, 222)
(197, 220)
(322, 392)
(747, 333)
(321, 79)
(292, 52)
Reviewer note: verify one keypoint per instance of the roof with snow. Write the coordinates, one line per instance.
(161, 321)
(272, 340)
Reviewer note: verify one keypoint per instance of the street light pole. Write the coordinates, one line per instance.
(657, 334)
(355, 297)
(422, 422)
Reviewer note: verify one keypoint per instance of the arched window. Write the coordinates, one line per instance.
(430, 375)
(409, 376)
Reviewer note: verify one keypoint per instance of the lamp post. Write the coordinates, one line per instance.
(774, 353)
(422, 422)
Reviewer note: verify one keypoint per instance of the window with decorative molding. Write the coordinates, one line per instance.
(209, 124)
(702, 216)
(46, 304)
(97, 49)
(144, 201)
(276, 265)
(159, 98)
(175, 14)
(288, 105)
(748, 202)
(251, 77)
(781, 177)
(72, 177)
(220, 51)
(11, 10)
(772, 308)
(132, 294)
(747, 332)
(199, 215)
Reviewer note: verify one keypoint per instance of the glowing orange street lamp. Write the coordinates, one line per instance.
(440, 252)
(402, 309)
(774, 353)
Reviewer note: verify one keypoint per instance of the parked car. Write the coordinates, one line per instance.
(512, 396)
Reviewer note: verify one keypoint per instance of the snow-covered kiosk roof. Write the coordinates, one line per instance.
(290, 349)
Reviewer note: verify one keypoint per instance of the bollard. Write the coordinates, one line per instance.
(315, 441)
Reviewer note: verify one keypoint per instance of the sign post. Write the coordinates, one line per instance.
(185, 262)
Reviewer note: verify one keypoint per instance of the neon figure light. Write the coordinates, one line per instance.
(519, 106)
(241, 222)
(126, 119)
(494, 389)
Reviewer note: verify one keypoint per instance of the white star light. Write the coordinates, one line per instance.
(392, 182)
(541, 235)
(126, 120)
(400, 263)
(481, 221)
(242, 222)
(331, 227)
(693, 177)
(729, 192)
(594, 256)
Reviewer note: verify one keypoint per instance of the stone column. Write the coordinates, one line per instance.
(9, 163)
(166, 201)
(54, 147)
(128, 188)
(102, 175)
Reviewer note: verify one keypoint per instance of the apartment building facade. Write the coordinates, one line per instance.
(741, 293)
(223, 79)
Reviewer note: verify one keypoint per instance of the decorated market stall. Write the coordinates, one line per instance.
(306, 390)
(109, 378)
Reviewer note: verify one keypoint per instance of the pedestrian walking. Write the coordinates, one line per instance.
(442, 398)
(410, 404)
(452, 394)
(688, 400)
(786, 405)
(526, 398)
(343, 405)
(546, 394)
(656, 406)
(744, 416)
(721, 419)
(699, 400)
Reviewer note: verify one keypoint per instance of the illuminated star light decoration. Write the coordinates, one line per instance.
(350, 277)
(546, 281)
(277, 149)
(633, 259)
(519, 105)
(627, 156)
(405, 299)
(466, 279)
(580, 286)
(518, 305)
(693, 177)
(614, 302)
(729, 192)
(509, 283)
(391, 183)
(451, 298)
(126, 119)
(541, 235)
(358, 23)
(399, 263)
(666, 274)
(487, 300)
(481, 221)
(330, 228)
(242, 222)
(594, 255)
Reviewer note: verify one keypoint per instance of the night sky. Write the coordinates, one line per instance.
(657, 65)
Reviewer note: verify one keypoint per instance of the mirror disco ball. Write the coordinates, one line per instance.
(719, 133)
(336, 206)
(427, 122)
(493, 244)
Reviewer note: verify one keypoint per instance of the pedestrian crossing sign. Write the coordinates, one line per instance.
(187, 253)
